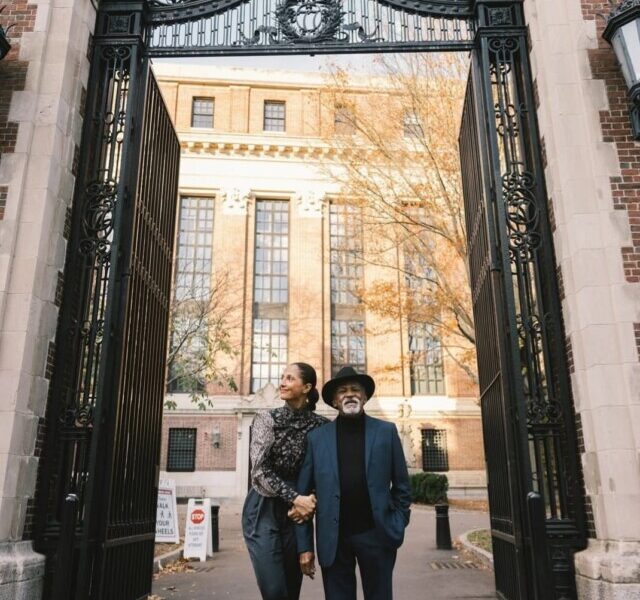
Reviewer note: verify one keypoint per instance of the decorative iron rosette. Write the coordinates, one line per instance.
(309, 21)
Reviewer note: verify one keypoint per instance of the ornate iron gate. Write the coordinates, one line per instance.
(97, 487)
(535, 492)
(98, 477)
(498, 431)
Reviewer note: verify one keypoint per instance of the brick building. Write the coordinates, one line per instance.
(252, 183)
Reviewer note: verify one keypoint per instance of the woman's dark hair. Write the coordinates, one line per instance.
(308, 375)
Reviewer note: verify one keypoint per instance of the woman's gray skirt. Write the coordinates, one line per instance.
(271, 540)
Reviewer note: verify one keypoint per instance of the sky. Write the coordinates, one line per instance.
(355, 63)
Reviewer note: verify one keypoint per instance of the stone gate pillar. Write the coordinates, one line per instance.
(592, 169)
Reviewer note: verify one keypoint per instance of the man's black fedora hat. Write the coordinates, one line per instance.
(348, 374)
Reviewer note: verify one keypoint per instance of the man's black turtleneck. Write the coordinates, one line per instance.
(355, 506)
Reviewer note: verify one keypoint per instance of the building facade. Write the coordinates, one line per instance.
(260, 211)
(591, 173)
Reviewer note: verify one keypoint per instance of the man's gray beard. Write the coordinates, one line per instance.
(357, 411)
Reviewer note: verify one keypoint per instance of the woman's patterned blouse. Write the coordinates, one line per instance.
(278, 444)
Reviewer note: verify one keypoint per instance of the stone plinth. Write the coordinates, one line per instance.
(21, 571)
(609, 570)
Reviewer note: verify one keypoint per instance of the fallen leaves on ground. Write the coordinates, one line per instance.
(178, 566)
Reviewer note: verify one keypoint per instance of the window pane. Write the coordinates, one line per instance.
(181, 453)
(426, 366)
(344, 121)
(435, 456)
(412, 128)
(270, 292)
(202, 110)
(347, 345)
(427, 372)
(347, 272)
(271, 266)
(192, 285)
(195, 236)
(274, 115)
(269, 356)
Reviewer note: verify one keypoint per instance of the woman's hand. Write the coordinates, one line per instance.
(308, 564)
(303, 508)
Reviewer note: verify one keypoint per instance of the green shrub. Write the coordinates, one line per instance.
(429, 488)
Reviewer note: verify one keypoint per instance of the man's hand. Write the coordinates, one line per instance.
(303, 508)
(308, 564)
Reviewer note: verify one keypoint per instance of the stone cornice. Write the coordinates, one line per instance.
(258, 147)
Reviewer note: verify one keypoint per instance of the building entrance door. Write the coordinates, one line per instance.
(99, 473)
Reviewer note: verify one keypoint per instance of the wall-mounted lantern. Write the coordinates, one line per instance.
(5, 46)
(215, 436)
(622, 31)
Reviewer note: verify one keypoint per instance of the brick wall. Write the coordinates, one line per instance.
(208, 458)
(464, 442)
(616, 129)
(13, 72)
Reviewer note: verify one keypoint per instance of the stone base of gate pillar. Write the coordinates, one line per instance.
(21, 571)
(608, 570)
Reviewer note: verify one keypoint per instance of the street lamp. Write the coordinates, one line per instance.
(622, 31)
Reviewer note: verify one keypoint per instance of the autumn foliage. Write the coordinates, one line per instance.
(396, 156)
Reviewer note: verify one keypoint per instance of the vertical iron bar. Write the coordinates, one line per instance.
(542, 576)
(63, 577)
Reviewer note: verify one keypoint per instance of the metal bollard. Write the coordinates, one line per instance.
(63, 576)
(443, 531)
(215, 528)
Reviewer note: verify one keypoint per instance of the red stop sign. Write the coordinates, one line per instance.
(197, 516)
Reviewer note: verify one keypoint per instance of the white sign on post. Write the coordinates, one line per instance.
(167, 513)
(197, 533)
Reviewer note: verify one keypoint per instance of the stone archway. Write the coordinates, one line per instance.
(99, 429)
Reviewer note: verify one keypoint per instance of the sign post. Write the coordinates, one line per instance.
(197, 535)
(167, 513)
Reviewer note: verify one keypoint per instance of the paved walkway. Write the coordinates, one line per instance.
(229, 573)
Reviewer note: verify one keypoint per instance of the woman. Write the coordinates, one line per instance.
(278, 444)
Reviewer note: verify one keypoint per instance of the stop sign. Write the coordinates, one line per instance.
(197, 516)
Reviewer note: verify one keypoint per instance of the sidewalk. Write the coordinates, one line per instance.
(229, 573)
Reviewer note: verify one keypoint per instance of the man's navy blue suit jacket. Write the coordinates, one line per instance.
(387, 480)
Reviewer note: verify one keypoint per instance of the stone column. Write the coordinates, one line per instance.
(591, 170)
(231, 261)
(306, 297)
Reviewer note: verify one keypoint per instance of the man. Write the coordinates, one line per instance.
(357, 468)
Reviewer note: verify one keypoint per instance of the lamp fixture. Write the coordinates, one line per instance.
(622, 31)
(215, 436)
(5, 46)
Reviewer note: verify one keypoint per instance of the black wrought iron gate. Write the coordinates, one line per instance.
(97, 486)
(98, 476)
(534, 479)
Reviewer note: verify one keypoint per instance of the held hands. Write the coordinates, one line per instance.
(303, 508)
(308, 564)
